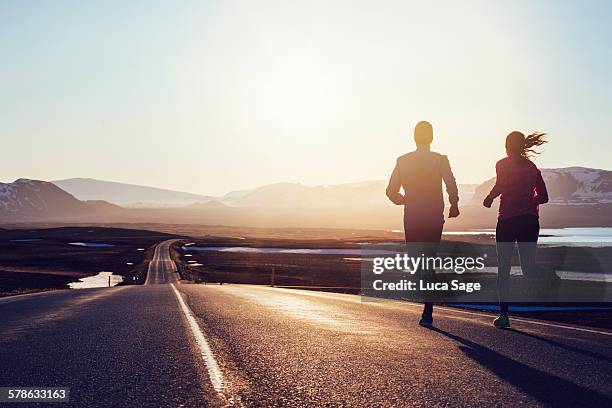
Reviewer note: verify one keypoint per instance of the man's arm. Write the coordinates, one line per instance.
(394, 186)
(451, 187)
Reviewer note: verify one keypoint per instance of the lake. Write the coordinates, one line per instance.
(308, 251)
(101, 280)
(91, 244)
(592, 236)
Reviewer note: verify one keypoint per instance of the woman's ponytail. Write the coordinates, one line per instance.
(532, 140)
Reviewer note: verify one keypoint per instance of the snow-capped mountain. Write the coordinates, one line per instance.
(568, 186)
(36, 200)
(579, 185)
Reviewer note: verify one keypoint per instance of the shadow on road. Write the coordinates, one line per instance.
(565, 346)
(544, 387)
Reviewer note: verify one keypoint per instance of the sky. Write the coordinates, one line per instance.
(214, 96)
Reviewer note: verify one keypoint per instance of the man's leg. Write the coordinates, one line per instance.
(431, 240)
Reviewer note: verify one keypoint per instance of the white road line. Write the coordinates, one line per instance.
(150, 279)
(216, 378)
(353, 298)
(517, 319)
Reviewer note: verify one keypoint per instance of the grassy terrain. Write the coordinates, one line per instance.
(43, 259)
(222, 231)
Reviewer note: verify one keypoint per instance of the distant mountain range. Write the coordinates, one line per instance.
(127, 195)
(579, 197)
(361, 194)
(366, 193)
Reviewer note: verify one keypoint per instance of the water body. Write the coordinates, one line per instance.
(101, 280)
(594, 236)
(602, 277)
(310, 251)
(91, 244)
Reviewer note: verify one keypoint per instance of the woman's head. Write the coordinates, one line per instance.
(517, 144)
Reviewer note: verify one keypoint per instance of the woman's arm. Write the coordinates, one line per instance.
(496, 190)
(541, 196)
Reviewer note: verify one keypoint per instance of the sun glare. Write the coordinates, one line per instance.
(297, 95)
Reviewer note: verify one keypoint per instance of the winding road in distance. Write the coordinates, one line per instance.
(173, 344)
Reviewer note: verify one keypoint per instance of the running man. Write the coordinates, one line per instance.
(420, 174)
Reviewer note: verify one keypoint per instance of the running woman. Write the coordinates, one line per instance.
(521, 189)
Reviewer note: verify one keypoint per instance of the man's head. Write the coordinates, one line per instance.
(423, 133)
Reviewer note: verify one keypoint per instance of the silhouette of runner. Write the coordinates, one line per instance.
(522, 190)
(420, 173)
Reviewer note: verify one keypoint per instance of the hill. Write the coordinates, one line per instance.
(28, 200)
(127, 195)
(360, 194)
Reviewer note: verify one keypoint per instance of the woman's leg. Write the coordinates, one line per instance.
(505, 246)
(528, 232)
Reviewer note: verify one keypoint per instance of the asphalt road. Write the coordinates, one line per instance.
(161, 267)
(170, 344)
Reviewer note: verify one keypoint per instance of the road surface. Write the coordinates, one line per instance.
(171, 344)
